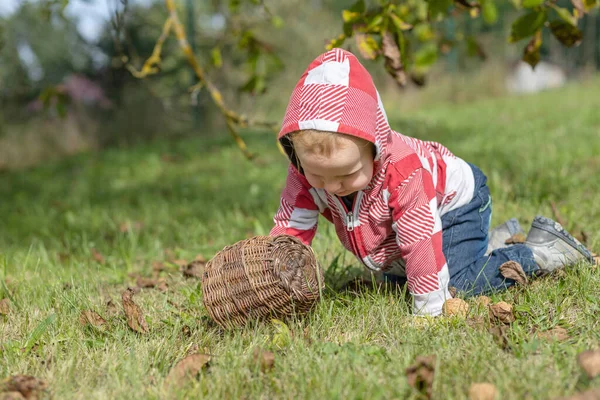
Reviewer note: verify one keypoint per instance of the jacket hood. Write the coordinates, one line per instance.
(336, 94)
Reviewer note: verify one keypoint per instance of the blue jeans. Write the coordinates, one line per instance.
(465, 240)
(464, 243)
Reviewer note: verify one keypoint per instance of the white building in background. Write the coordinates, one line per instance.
(524, 79)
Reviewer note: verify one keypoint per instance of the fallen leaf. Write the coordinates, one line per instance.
(187, 368)
(591, 394)
(483, 301)
(500, 335)
(557, 333)
(111, 307)
(266, 359)
(28, 386)
(4, 306)
(186, 331)
(97, 256)
(476, 322)
(420, 374)
(135, 316)
(513, 270)
(180, 262)
(157, 267)
(596, 258)
(453, 291)
(457, 307)
(92, 318)
(195, 269)
(160, 283)
(516, 239)
(589, 361)
(482, 391)
(501, 312)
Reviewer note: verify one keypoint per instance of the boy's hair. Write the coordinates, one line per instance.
(319, 143)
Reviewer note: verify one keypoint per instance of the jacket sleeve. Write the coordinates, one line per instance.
(418, 230)
(298, 214)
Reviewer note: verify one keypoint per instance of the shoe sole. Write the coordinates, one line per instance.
(548, 225)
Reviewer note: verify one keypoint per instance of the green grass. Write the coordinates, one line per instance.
(536, 151)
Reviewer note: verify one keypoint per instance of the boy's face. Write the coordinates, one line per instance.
(347, 170)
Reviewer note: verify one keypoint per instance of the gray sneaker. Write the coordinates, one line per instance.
(498, 236)
(553, 247)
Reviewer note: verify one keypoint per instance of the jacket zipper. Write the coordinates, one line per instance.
(350, 220)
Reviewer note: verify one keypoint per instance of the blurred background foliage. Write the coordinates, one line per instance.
(62, 92)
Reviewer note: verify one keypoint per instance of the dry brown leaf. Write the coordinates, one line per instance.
(500, 335)
(195, 269)
(420, 374)
(393, 60)
(483, 301)
(135, 315)
(453, 291)
(159, 283)
(11, 396)
(180, 262)
(111, 307)
(482, 391)
(557, 333)
(517, 238)
(266, 359)
(96, 255)
(4, 306)
(28, 386)
(501, 312)
(513, 270)
(90, 317)
(596, 258)
(589, 361)
(578, 4)
(591, 394)
(457, 307)
(476, 322)
(187, 368)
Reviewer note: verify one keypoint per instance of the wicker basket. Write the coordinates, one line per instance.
(261, 276)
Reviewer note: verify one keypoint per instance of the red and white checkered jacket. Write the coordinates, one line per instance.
(394, 224)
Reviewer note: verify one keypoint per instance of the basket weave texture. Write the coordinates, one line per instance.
(259, 277)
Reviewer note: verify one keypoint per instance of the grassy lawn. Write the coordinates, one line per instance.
(75, 234)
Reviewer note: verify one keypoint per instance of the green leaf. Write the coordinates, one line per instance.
(367, 46)
(565, 15)
(425, 57)
(423, 32)
(489, 11)
(531, 53)
(375, 23)
(439, 7)
(39, 330)
(566, 33)
(399, 23)
(474, 49)
(216, 58)
(350, 16)
(527, 25)
(283, 337)
(532, 3)
(336, 42)
(359, 7)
